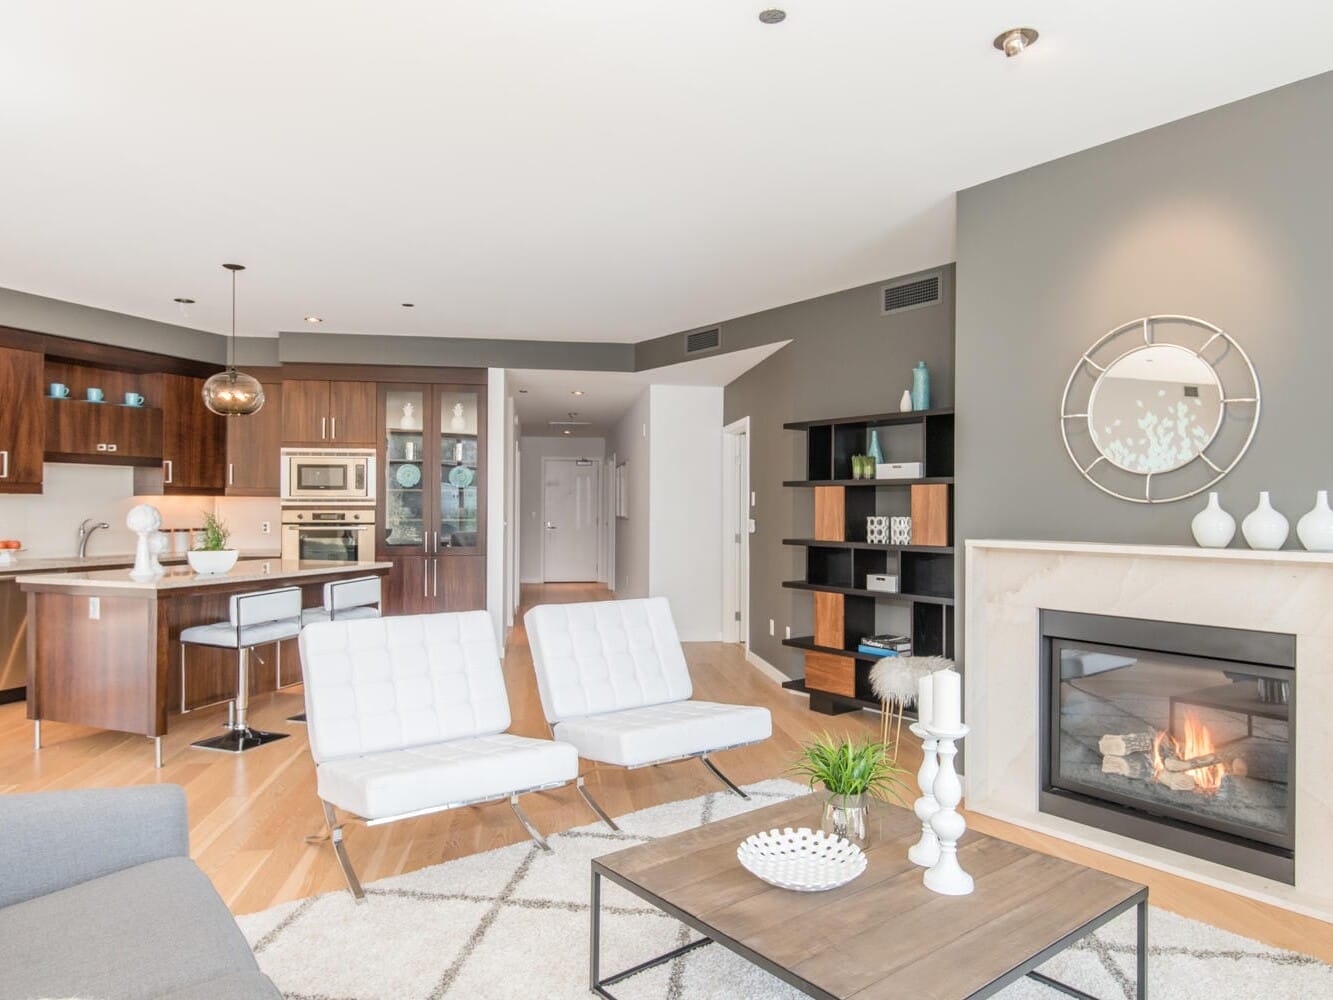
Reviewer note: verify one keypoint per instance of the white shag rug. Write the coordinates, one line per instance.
(512, 924)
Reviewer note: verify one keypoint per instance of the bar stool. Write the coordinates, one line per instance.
(343, 600)
(266, 616)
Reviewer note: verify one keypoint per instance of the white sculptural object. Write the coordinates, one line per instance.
(144, 520)
(458, 422)
(409, 420)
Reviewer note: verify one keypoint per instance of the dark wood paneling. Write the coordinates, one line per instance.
(254, 446)
(21, 421)
(194, 440)
(833, 674)
(75, 429)
(85, 352)
(305, 403)
(462, 583)
(352, 414)
(407, 591)
(386, 373)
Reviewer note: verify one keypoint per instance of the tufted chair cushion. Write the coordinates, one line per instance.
(605, 656)
(384, 684)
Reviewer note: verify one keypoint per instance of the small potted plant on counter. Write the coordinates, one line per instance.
(211, 556)
(853, 774)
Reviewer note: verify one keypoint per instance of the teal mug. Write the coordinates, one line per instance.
(133, 399)
(59, 390)
(94, 395)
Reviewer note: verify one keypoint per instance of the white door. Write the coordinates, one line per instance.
(571, 508)
(735, 531)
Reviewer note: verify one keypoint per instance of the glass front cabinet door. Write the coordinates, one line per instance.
(431, 508)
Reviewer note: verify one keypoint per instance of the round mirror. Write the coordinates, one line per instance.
(1155, 409)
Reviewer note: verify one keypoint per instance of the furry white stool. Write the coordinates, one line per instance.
(894, 680)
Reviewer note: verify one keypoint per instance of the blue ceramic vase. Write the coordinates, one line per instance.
(873, 451)
(920, 387)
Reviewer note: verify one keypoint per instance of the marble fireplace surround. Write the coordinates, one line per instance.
(1009, 582)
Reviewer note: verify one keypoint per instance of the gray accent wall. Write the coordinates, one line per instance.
(1227, 216)
(845, 358)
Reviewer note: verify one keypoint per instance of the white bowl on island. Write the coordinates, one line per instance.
(212, 562)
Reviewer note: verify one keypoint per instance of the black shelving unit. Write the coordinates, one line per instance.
(840, 566)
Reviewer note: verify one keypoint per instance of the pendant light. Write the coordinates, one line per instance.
(232, 393)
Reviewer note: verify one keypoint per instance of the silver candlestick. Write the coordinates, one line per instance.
(926, 851)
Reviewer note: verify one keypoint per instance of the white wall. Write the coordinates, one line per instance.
(630, 444)
(533, 450)
(495, 500)
(685, 516)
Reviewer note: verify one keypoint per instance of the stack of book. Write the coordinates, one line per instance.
(885, 645)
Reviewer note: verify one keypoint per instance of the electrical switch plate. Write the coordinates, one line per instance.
(771, 627)
(94, 608)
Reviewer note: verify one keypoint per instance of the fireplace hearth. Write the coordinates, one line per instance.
(1176, 735)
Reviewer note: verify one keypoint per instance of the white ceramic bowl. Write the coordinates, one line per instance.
(803, 860)
(212, 563)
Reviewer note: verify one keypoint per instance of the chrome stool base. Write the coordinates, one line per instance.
(239, 740)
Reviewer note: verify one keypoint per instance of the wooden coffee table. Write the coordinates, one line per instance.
(884, 935)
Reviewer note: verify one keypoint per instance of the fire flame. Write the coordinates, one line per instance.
(1195, 741)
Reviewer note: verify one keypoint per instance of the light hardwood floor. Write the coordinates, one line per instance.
(249, 815)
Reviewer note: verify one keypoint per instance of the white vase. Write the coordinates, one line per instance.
(1213, 527)
(905, 404)
(1264, 527)
(211, 562)
(1315, 529)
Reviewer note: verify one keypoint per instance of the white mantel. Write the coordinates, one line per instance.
(1009, 582)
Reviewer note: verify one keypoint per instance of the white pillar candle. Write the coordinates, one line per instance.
(946, 701)
(925, 692)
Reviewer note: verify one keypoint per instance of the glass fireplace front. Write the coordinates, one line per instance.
(1176, 734)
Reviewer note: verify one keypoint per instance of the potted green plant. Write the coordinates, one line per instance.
(853, 773)
(211, 555)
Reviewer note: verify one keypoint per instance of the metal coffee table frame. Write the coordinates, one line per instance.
(599, 984)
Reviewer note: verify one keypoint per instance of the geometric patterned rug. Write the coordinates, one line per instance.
(512, 924)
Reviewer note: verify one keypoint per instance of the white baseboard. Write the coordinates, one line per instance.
(765, 668)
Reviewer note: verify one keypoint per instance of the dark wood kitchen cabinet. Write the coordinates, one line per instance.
(22, 434)
(254, 448)
(102, 433)
(194, 442)
(328, 414)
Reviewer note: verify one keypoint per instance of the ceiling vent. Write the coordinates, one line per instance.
(911, 294)
(703, 340)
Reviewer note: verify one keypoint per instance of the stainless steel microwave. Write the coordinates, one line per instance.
(318, 475)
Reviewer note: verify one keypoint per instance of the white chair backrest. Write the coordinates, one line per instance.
(391, 683)
(605, 656)
(265, 606)
(343, 595)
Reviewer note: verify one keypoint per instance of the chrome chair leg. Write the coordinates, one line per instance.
(533, 832)
(157, 751)
(36, 734)
(721, 777)
(592, 804)
(340, 851)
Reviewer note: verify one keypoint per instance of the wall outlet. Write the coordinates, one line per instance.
(752, 500)
(787, 632)
(771, 627)
(94, 608)
(265, 527)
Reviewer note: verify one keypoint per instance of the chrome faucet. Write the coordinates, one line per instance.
(86, 533)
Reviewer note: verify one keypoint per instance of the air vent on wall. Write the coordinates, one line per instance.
(912, 294)
(703, 340)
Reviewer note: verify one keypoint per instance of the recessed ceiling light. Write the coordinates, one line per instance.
(568, 432)
(409, 305)
(184, 301)
(772, 16)
(313, 319)
(1015, 40)
(576, 392)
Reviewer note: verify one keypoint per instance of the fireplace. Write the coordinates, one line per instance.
(1177, 735)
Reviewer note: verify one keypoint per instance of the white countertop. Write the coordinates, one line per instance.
(1295, 557)
(23, 565)
(177, 577)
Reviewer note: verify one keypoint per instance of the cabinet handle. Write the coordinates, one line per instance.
(435, 565)
(166, 468)
(333, 428)
(323, 424)
(425, 586)
(5, 473)
(231, 474)
(437, 543)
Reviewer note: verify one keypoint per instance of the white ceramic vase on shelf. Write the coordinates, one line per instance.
(1213, 527)
(905, 404)
(1315, 529)
(1264, 527)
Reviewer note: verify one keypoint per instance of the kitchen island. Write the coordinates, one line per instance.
(101, 646)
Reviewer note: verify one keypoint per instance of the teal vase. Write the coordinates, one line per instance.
(875, 453)
(920, 387)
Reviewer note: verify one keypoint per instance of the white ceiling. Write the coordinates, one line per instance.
(601, 170)
(541, 396)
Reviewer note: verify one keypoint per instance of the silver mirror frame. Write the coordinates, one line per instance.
(1145, 336)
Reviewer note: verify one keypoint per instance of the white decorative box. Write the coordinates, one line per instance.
(898, 470)
(886, 583)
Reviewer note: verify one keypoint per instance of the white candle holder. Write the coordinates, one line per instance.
(926, 851)
(947, 876)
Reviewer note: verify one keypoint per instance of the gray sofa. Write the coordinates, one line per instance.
(99, 898)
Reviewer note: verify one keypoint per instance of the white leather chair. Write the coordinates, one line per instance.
(407, 717)
(614, 683)
(344, 600)
(258, 619)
